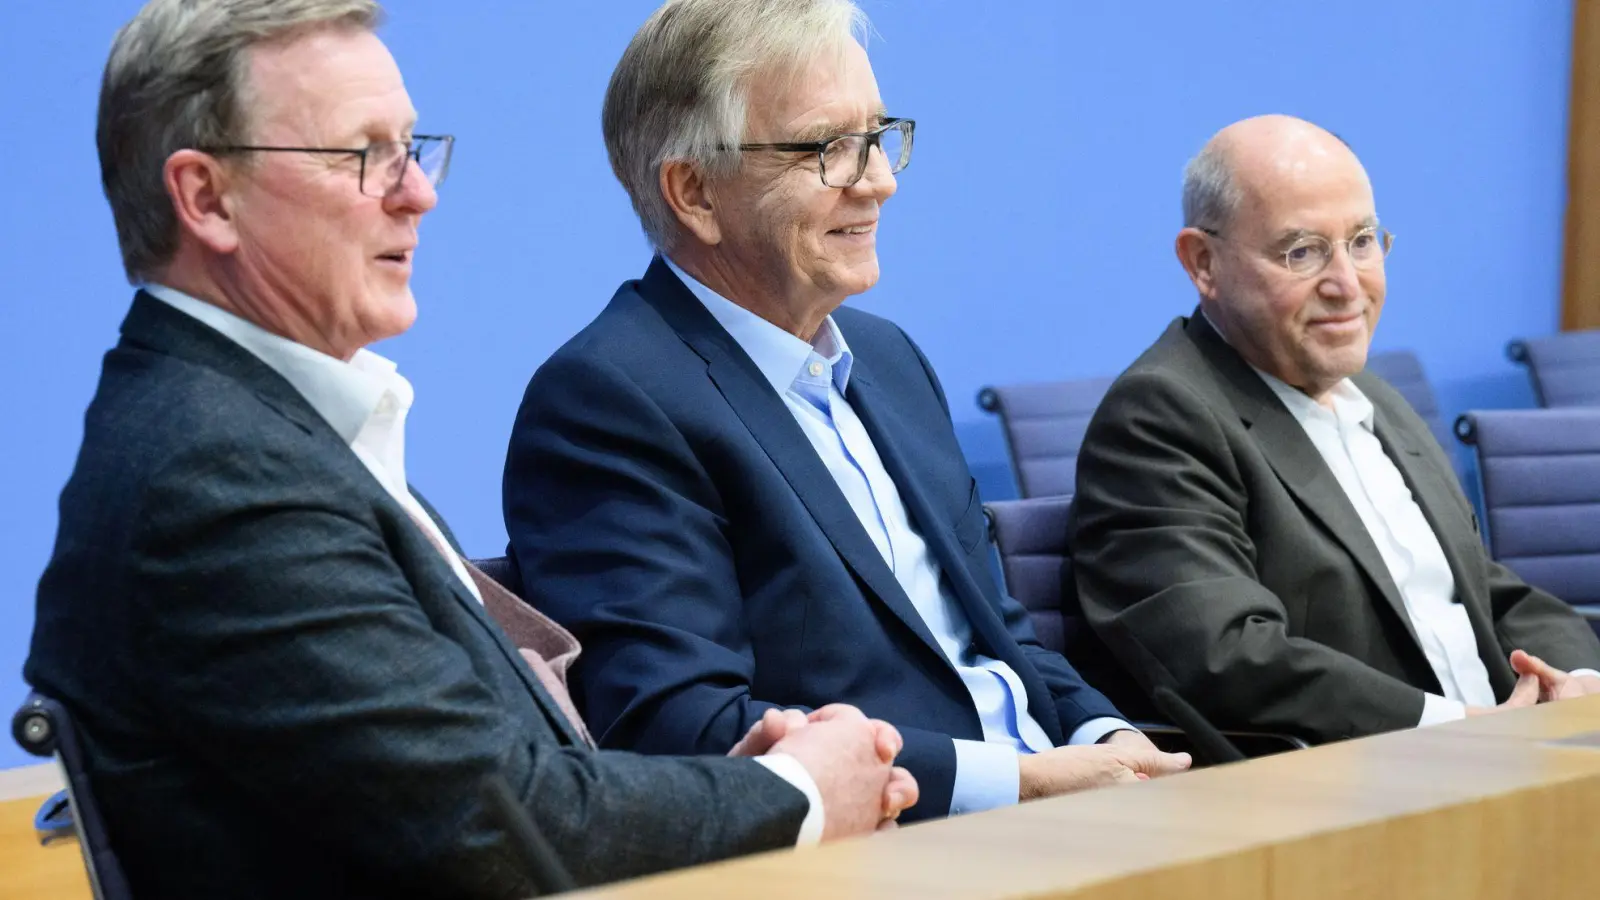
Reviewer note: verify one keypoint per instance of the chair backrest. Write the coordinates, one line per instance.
(502, 570)
(1539, 471)
(1403, 371)
(1031, 537)
(1564, 368)
(1044, 425)
(44, 727)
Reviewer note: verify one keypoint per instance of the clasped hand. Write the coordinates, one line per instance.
(847, 755)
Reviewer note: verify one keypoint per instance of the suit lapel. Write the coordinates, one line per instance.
(479, 614)
(772, 425)
(1433, 495)
(1297, 463)
(877, 415)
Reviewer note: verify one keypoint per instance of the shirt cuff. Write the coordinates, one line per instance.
(1437, 710)
(789, 769)
(1590, 672)
(988, 776)
(1094, 730)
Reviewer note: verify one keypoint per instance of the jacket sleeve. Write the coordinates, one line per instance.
(283, 643)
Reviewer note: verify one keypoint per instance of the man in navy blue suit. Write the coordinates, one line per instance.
(740, 495)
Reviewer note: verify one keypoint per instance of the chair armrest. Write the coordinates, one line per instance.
(1251, 743)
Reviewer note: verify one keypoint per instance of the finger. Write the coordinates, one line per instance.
(836, 711)
(791, 720)
(1154, 762)
(1125, 775)
(771, 729)
(1525, 663)
(755, 741)
(888, 825)
(889, 740)
(1521, 662)
(901, 793)
(1527, 691)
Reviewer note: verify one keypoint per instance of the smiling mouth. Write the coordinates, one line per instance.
(856, 229)
(400, 256)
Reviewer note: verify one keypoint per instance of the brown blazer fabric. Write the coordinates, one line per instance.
(1215, 552)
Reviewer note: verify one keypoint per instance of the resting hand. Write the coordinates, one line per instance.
(1554, 684)
(860, 790)
(774, 726)
(1065, 770)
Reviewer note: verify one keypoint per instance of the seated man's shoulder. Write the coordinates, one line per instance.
(628, 338)
(160, 423)
(859, 325)
(1171, 373)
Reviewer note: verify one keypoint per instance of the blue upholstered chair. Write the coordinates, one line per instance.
(1044, 425)
(1539, 472)
(1564, 368)
(1403, 371)
(1044, 422)
(44, 728)
(1036, 564)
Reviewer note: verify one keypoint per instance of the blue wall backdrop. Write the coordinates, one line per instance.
(1030, 240)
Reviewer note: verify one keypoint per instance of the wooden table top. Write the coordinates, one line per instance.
(1490, 807)
(1487, 807)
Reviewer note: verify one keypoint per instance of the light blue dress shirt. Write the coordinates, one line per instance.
(812, 380)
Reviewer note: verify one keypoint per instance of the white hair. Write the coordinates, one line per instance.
(681, 89)
(1210, 195)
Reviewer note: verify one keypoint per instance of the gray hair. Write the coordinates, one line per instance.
(681, 89)
(1210, 195)
(176, 79)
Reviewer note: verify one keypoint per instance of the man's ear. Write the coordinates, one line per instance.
(689, 196)
(198, 185)
(1197, 255)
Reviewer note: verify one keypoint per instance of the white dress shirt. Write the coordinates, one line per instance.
(1345, 439)
(365, 401)
(811, 378)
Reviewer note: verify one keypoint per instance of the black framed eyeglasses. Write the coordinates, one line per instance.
(1310, 254)
(843, 158)
(384, 161)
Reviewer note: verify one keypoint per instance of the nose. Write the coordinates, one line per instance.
(1340, 279)
(414, 194)
(876, 179)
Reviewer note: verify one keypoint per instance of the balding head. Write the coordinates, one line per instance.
(1281, 239)
(1242, 155)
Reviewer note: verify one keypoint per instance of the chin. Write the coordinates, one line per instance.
(393, 315)
(858, 279)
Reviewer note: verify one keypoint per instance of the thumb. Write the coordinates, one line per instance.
(1150, 761)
